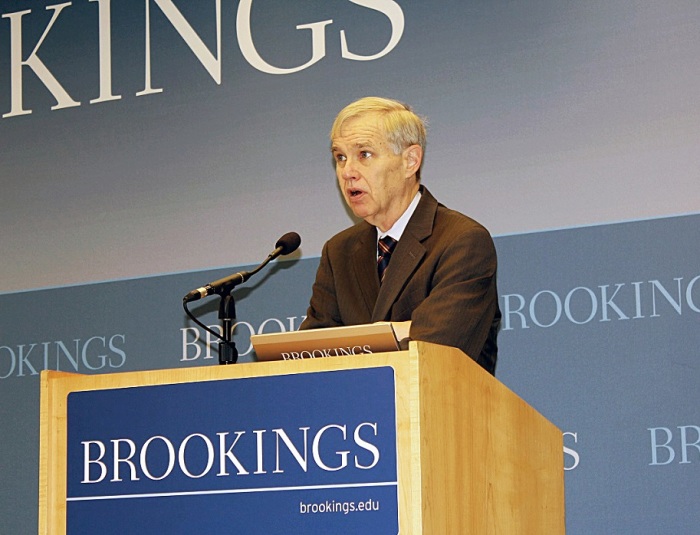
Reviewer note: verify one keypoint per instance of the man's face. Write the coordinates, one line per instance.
(377, 183)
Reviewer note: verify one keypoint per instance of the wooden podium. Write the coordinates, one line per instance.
(471, 456)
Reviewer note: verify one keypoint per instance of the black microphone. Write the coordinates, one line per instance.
(288, 243)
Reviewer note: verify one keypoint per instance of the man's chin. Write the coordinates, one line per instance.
(358, 209)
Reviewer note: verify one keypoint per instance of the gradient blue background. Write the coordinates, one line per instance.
(570, 130)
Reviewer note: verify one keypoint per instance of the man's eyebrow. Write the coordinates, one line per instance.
(364, 143)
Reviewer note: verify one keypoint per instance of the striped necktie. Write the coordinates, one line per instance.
(385, 246)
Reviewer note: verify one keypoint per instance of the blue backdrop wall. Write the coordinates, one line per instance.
(149, 146)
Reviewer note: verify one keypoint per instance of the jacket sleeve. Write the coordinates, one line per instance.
(461, 309)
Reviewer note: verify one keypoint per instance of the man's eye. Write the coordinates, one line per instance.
(340, 158)
(365, 154)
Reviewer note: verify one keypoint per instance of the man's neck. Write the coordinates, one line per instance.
(396, 230)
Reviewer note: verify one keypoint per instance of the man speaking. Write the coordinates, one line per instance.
(411, 259)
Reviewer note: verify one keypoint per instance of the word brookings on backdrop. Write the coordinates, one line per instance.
(543, 309)
(211, 61)
(606, 302)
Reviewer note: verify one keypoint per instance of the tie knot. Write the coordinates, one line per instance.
(385, 246)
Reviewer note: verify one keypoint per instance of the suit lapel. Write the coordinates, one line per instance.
(407, 256)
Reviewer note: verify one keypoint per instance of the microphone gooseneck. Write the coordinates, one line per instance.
(287, 244)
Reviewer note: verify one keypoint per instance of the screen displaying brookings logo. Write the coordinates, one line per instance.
(307, 453)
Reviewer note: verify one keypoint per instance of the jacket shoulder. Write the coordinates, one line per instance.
(346, 239)
(457, 221)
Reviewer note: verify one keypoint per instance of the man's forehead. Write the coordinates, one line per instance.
(354, 142)
(362, 131)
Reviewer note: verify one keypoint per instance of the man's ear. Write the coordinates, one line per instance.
(412, 157)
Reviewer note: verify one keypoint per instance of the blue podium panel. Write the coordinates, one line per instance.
(312, 453)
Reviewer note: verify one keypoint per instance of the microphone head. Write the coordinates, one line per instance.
(289, 243)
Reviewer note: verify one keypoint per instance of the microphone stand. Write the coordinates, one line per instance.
(228, 354)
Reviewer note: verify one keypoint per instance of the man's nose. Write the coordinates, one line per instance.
(349, 170)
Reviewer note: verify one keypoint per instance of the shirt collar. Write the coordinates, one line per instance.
(397, 228)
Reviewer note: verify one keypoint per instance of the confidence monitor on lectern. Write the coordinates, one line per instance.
(329, 342)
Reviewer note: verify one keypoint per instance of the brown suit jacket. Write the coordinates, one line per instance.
(442, 277)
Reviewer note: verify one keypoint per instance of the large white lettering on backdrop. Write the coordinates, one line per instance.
(211, 61)
(89, 354)
(607, 302)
